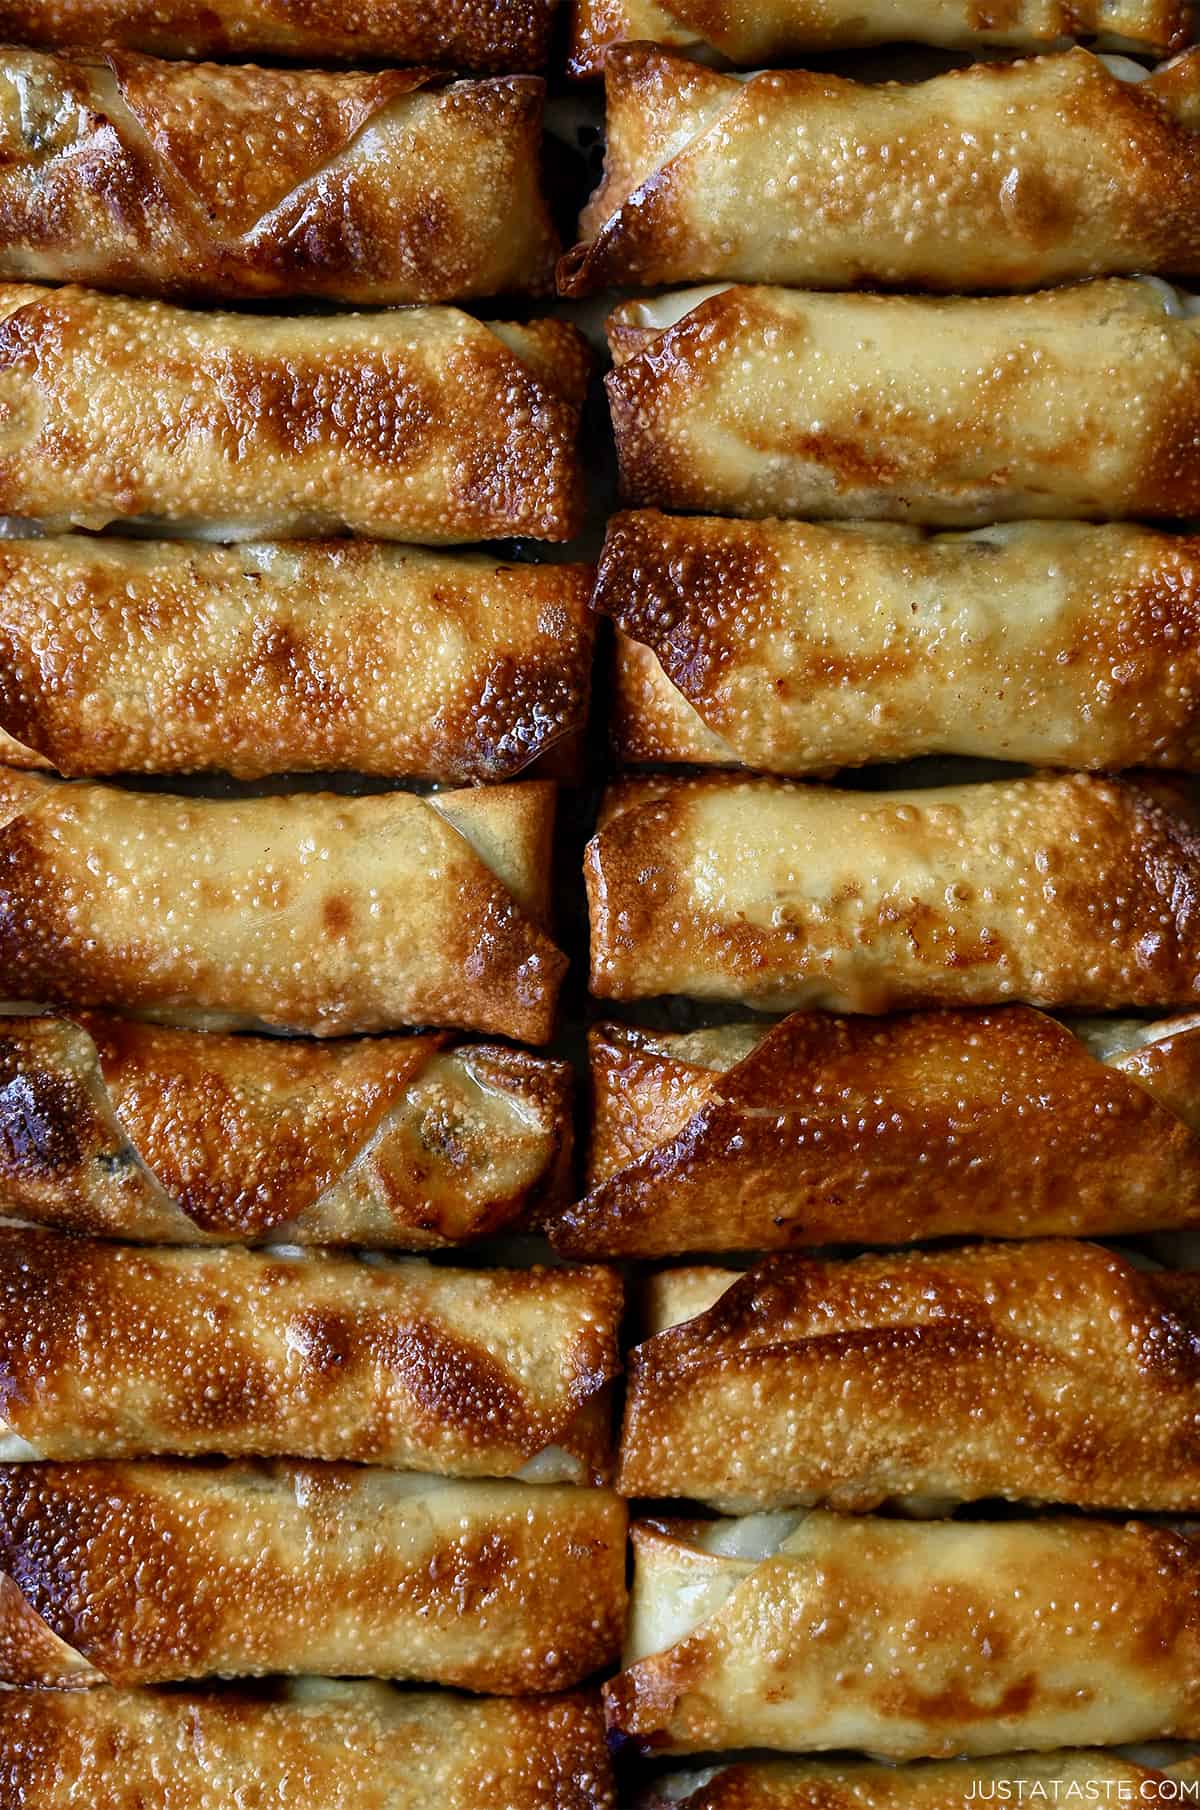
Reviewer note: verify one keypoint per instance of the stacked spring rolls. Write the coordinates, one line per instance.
(907, 455)
(284, 712)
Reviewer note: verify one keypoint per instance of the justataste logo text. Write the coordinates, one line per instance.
(1083, 1791)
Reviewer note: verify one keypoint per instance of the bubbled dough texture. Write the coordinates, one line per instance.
(279, 658)
(1064, 891)
(1046, 1371)
(207, 911)
(1005, 176)
(913, 1640)
(316, 1745)
(1079, 402)
(504, 34)
(782, 30)
(798, 647)
(115, 1353)
(229, 182)
(415, 424)
(824, 1130)
(156, 1572)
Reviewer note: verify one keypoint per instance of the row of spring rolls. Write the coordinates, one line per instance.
(1039, 1372)
(817, 1130)
(787, 647)
(998, 176)
(1077, 402)
(322, 1744)
(1066, 891)
(513, 34)
(399, 186)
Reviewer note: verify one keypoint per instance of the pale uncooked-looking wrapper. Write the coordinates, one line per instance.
(150, 1573)
(997, 176)
(1059, 890)
(771, 31)
(419, 424)
(953, 411)
(1051, 1372)
(799, 647)
(219, 182)
(139, 1131)
(312, 913)
(828, 1130)
(313, 1744)
(909, 1639)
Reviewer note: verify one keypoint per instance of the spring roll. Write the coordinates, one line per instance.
(504, 34)
(1077, 402)
(1093, 1776)
(909, 1640)
(137, 1131)
(724, 32)
(823, 1130)
(1050, 169)
(312, 912)
(1045, 1372)
(315, 1744)
(110, 1351)
(796, 648)
(149, 1573)
(277, 658)
(1060, 890)
(397, 186)
(416, 424)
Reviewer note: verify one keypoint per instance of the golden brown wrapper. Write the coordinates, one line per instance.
(1080, 402)
(1048, 169)
(110, 1351)
(312, 912)
(1046, 1372)
(1072, 1777)
(156, 657)
(771, 31)
(909, 1640)
(314, 1745)
(419, 424)
(148, 1573)
(799, 647)
(504, 34)
(139, 1131)
(1060, 890)
(225, 182)
(833, 1130)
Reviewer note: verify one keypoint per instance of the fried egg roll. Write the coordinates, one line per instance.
(149, 1573)
(1092, 1776)
(771, 32)
(137, 1131)
(1046, 1372)
(1077, 402)
(277, 658)
(311, 912)
(111, 1351)
(825, 1130)
(504, 34)
(1048, 169)
(909, 1640)
(224, 182)
(1060, 890)
(797, 647)
(313, 1745)
(418, 424)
